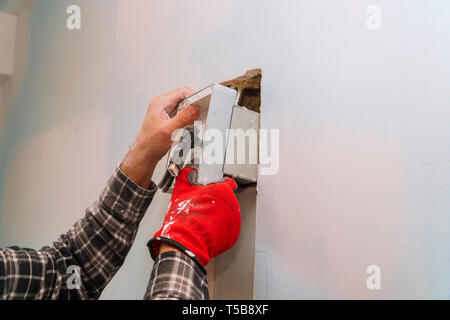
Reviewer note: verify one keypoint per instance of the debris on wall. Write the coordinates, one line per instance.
(249, 87)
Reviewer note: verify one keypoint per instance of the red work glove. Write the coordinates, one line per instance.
(202, 220)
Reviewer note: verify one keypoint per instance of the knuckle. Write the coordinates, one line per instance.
(185, 117)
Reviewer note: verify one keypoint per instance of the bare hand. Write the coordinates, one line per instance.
(155, 136)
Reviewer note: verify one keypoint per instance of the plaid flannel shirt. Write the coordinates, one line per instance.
(82, 262)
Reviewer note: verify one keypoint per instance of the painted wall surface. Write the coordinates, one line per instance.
(13, 6)
(7, 38)
(363, 117)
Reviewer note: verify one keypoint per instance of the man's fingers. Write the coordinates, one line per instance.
(179, 94)
(184, 118)
(176, 96)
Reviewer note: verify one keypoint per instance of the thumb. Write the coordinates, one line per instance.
(184, 118)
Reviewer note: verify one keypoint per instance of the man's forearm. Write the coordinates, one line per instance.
(175, 276)
(139, 166)
(96, 246)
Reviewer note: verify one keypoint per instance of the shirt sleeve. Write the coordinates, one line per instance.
(81, 262)
(175, 276)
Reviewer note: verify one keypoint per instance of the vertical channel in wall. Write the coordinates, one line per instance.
(234, 269)
(231, 275)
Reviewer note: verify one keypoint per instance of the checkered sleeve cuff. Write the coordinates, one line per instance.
(124, 199)
(175, 276)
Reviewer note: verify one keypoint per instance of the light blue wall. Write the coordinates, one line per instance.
(364, 120)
